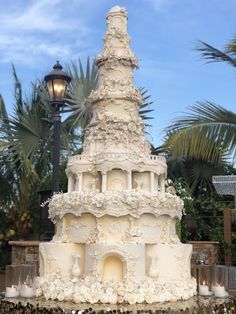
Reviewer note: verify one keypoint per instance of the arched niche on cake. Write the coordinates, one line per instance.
(92, 182)
(113, 267)
(149, 231)
(116, 180)
(115, 228)
(141, 180)
(79, 229)
(164, 223)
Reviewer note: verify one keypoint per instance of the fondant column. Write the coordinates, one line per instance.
(162, 183)
(70, 182)
(77, 183)
(157, 183)
(151, 181)
(104, 181)
(129, 180)
(80, 182)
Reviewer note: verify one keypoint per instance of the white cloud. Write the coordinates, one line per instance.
(40, 15)
(32, 30)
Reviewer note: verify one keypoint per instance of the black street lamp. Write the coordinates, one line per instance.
(57, 82)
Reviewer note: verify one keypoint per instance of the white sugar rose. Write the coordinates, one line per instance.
(38, 292)
(93, 298)
(131, 298)
(109, 291)
(61, 296)
(149, 298)
(78, 298)
(104, 298)
(121, 291)
(140, 298)
(112, 299)
(130, 287)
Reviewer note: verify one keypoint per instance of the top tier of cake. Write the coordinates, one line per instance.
(116, 125)
(114, 139)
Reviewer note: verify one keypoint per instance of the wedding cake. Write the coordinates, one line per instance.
(115, 238)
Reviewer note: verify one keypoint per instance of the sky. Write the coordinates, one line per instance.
(36, 33)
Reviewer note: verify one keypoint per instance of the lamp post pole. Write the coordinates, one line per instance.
(57, 82)
(56, 148)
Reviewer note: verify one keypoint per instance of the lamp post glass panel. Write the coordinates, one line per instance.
(57, 81)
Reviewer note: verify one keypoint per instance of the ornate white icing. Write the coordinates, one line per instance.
(134, 203)
(115, 235)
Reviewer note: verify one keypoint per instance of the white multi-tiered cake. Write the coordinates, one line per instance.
(115, 235)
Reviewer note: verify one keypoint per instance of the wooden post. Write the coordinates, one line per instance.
(228, 236)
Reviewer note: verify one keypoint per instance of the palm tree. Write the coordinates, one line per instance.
(208, 131)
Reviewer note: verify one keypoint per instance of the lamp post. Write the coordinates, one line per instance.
(57, 81)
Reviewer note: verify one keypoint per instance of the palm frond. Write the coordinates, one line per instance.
(231, 47)
(28, 132)
(3, 110)
(42, 92)
(19, 105)
(212, 54)
(145, 106)
(81, 87)
(207, 132)
(199, 174)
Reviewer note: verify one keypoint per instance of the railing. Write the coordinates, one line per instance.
(117, 156)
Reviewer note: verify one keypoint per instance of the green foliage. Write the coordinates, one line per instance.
(25, 160)
(183, 191)
(178, 228)
(202, 216)
(197, 173)
(78, 97)
(207, 133)
(145, 108)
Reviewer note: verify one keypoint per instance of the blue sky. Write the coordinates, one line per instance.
(34, 34)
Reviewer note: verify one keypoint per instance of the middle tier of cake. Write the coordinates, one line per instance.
(115, 216)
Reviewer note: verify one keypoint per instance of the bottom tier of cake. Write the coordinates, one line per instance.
(115, 273)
